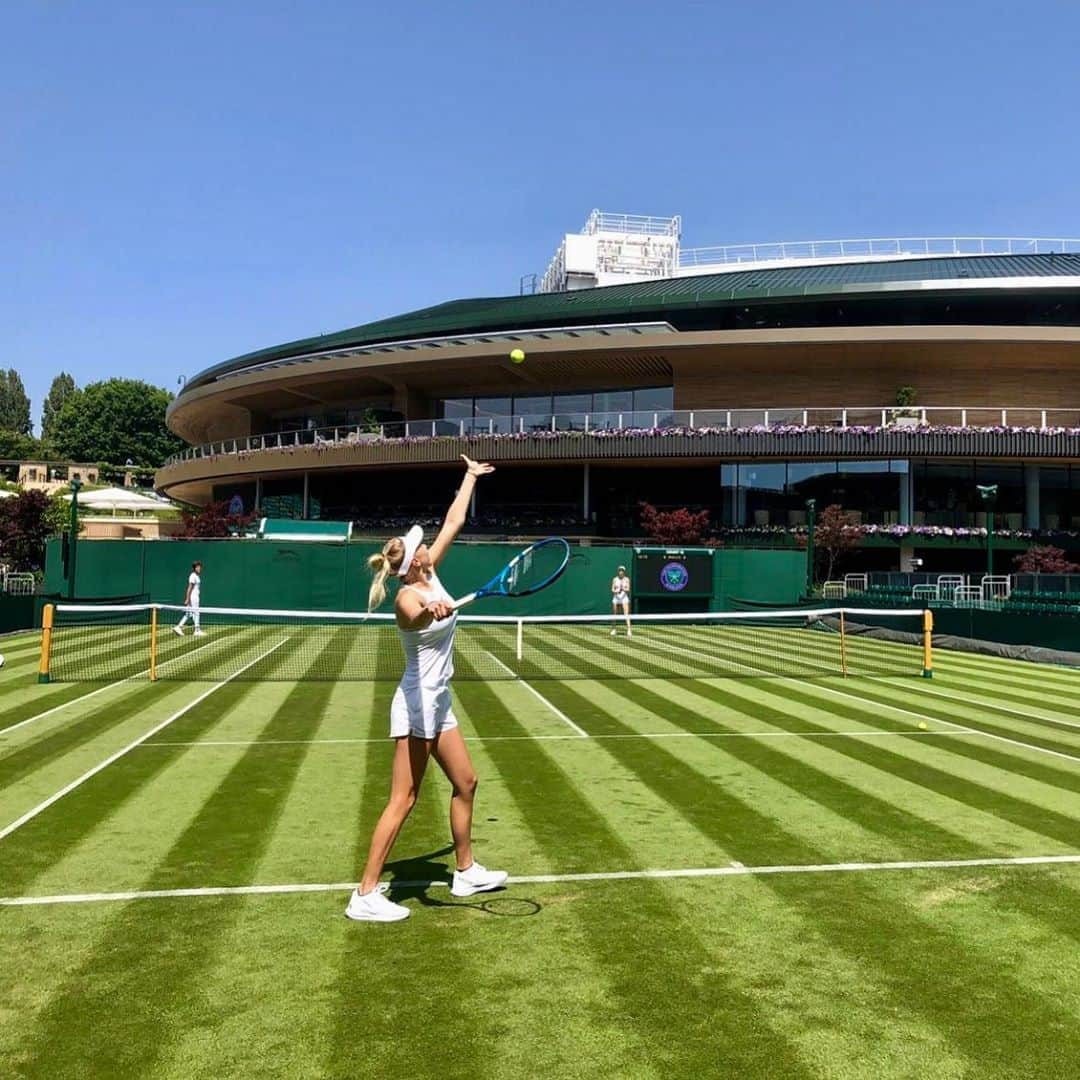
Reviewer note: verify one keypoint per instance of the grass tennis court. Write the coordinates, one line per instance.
(961, 962)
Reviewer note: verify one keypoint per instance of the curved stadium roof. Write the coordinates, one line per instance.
(682, 301)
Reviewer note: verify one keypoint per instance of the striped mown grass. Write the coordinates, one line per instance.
(929, 971)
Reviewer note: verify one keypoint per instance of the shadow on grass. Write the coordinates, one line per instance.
(412, 878)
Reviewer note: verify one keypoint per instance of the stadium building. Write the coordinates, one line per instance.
(894, 377)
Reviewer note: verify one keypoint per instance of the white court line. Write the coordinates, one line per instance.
(732, 870)
(99, 690)
(575, 738)
(959, 727)
(977, 704)
(900, 709)
(581, 732)
(68, 788)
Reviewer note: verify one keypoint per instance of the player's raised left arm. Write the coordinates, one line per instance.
(459, 508)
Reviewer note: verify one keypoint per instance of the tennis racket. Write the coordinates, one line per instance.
(527, 572)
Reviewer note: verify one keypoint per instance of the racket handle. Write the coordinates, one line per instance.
(463, 601)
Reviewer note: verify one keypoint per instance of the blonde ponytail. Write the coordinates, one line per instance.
(381, 565)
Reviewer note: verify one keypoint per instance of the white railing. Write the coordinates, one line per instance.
(539, 424)
(634, 224)
(877, 248)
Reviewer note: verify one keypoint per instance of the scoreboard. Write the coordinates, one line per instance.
(673, 572)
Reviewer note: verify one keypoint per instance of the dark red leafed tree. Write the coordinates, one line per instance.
(214, 520)
(1044, 559)
(673, 527)
(26, 522)
(834, 536)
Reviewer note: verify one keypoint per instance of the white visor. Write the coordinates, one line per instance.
(412, 540)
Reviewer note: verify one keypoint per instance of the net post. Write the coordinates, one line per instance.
(843, 645)
(928, 644)
(520, 636)
(46, 643)
(153, 643)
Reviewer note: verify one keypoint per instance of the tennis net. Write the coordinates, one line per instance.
(107, 642)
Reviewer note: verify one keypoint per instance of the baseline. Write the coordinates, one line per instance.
(734, 869)
(607, 735)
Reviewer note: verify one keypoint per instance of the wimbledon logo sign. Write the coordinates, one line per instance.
(674, 577)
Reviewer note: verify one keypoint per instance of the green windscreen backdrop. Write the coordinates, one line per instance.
(334, 577)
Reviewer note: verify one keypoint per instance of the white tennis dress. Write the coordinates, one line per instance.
(620, 591)
(422, 704)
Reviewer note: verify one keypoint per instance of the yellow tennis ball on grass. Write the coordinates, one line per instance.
(517, 355)
(922, 725)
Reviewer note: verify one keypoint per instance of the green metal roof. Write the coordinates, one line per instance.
(662, 297)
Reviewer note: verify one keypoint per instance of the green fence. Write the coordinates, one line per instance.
(334, 577)
(18, 613)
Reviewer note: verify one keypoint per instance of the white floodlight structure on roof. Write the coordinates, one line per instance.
(613, 249)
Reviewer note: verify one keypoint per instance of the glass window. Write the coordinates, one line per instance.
(492, 414)
(526, 406)
(944, 493)
(655, 399)
(1009, 505)
(456, 408)
(493, 406)
(1055, 505)
(804, 477)
(729, 483)
(761, 496)
(613, 401)
(869, 491)
(573, 403)
(570, 410)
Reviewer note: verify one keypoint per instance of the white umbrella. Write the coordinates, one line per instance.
(116, 498)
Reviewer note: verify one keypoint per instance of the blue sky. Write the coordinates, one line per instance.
(181, 183)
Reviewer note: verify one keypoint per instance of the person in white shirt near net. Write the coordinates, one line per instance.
(422, 721)
(620, 600)
(191, 602)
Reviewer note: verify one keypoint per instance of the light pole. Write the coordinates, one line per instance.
(811, 522)
(76, 485)
(988, 494)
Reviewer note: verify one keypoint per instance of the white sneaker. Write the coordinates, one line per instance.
(476, 879)
(375, 907)
(199, 633)
(179, 630)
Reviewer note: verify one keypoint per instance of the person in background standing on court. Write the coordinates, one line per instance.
(191, 602)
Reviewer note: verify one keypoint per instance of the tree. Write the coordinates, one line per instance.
(26, 522)
(61, 387)
(114, 421)
(214, 520)
(1044, 559)
(675, 527)
(14, 404)
(834, 536)
(19, 447)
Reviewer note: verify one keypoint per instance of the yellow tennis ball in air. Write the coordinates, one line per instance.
(518, 356)
(922, 724)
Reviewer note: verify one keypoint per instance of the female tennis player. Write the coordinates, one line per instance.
(620, 600)
(422, 721)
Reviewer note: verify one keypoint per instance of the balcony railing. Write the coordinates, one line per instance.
(876, 248)
(544, 424)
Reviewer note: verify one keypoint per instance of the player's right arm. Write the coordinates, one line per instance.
(414, 614)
